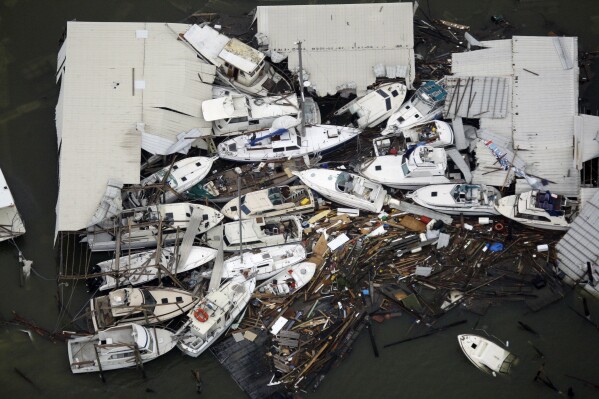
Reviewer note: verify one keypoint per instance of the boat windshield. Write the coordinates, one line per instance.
(405, 168)
(171, 181)
(423, 103)
(275, 196)
(149, 302)
(344, 182)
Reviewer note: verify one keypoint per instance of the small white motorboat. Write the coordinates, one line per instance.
(148, 305)
(288, 281)
(139, 226)
(456, 199)
(542, 210)
(182, 176)
(265, 262)
(434, 133)
(486, 355)
(139, 268)
(274, 201)
(425, 105)
(345, 188)
(258, 232)
(213, 315)
(118, 347)
(11, 224)
(376, 106)
(419, 166)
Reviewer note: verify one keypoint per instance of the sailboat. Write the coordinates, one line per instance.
(289, 280)
(274, 201)
(11, 224)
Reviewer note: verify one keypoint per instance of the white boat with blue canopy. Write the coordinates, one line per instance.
(539, 209)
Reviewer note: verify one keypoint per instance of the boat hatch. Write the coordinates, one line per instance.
(332, 133)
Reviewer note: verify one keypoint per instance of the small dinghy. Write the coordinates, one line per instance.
(486, 355)
(456, 199)
(345, 188)
(118, 347)
(542, 210)
(214, 315)
(149, 305)
(274, 201)
(289, 280)
(11, 224)
(265, 261)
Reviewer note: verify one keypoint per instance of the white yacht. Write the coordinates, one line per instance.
(486, 355)
(425, 105)
(148, 305)
(345, 188)
(434, 133)
(214, 315)
(259, 232)
(266, 262)
(139, 226)
(536, 208)
(236, 62)
(11, 224)
(375, 107)
(182, 176)
(288, 281)
(456, 199)
(274, 201)
(118, 347)
(139, 268)
(419, 166)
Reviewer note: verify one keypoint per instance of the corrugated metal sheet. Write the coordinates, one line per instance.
(342, 42)
(477, 97)
(586, 138)
(580, 245)
(99, 106)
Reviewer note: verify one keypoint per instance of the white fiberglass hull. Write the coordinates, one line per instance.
(529, 216)
(289, 280)
(441, 198)
(376, 106)
(387, 170)
(274, 201)
(485, 355)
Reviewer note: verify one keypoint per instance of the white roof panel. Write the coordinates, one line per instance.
(586, 143)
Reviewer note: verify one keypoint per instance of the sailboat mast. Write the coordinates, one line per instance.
(301, 82)
(240, 224)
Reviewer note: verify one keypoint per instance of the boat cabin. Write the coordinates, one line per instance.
(424, 161)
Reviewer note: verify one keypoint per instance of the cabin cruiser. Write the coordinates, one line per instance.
(425, 105)
(434, 133)
(11, 224)
(539, 209)
(345, 188)
(486, 355)
(118, 347)
(274, 201)
(147, 305)
(456, 199)
(213, 315)
(288, 281)
(376, 106)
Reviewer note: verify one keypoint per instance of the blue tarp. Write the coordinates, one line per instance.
(277, 132)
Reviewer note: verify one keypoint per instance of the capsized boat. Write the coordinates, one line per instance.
(376, 106)
(345, 188)
(147, 305)
(139, 226)
(118, 347)
(274, 201)
(419, 166)
(289, 280)
(265, 262)
(455, 199)
(11, 224)
(540, 209)
(139, 268)
(425, 105)
(284, 141)
(183, 175)
(213, 315)
(259, 232)
(486, 355)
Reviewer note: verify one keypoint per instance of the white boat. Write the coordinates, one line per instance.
(236, 62)
(240, 113)
(536, 208)
(285, 142)
(424, 165)
(11, 224)
(345, 188)
(375, 107)
(274, 201)
(259, 232)
(425, 105)
(118, 347)
(139, 268)
(456, 199)
(266, 262)
(214, 315)
(434, 133)
(486, 355)
(289, 280)
(184, 174)
(139, 226)
(148, 305)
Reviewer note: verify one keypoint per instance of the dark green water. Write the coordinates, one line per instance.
(430, 368)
